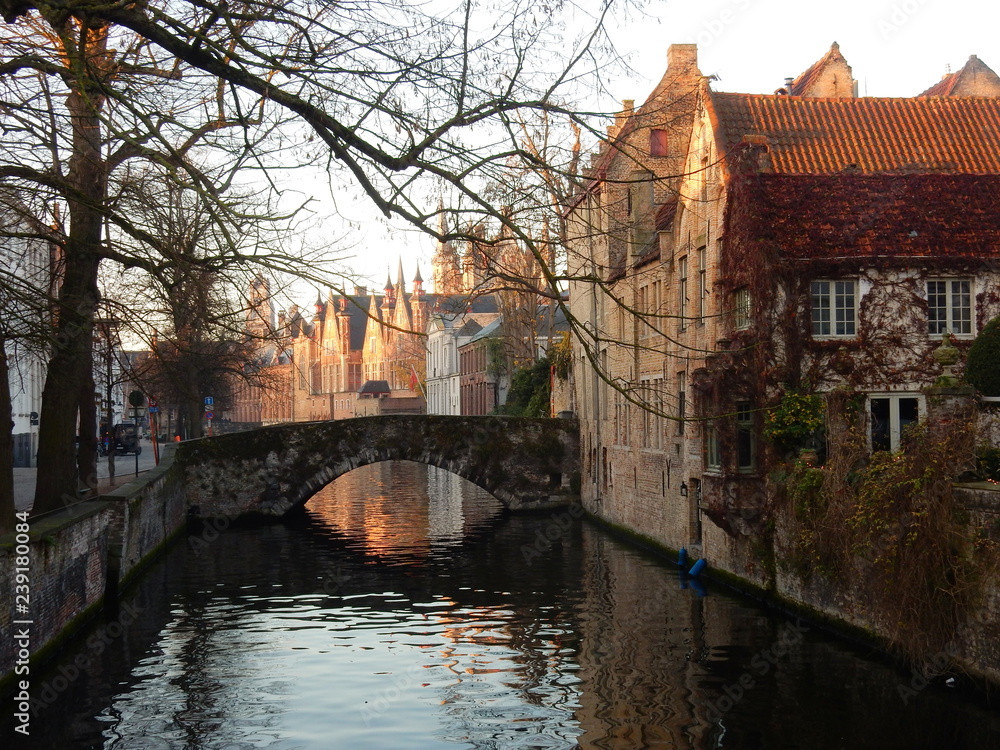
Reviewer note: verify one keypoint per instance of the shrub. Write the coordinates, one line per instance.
(982, 367)
(988, 463)
(529, 392)
(797, 418)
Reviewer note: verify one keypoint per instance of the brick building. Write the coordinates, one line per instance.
(754, 245)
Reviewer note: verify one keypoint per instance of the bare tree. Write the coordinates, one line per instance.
(95, 117)
(387, 96)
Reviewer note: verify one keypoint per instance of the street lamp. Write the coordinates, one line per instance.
(136, 399)
(108, 327)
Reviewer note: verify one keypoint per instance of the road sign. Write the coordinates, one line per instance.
(209, 415)
(209, 400)
(154, 409)
(153, 402)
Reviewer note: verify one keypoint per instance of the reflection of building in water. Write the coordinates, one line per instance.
(374, 521)
(441, 507)
(642, 654)
(445, 491)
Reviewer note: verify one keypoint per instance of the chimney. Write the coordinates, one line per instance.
(682, 57)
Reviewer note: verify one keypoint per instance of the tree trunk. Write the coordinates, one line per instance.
(69, 366)
(86, 452)
(71, 363)
(6, 447)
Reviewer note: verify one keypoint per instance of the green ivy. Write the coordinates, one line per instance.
(496, 356)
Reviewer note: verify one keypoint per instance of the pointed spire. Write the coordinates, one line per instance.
(418, 284)
(399, 273)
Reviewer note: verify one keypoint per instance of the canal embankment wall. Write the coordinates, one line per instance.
(851, 605)
(58, 569)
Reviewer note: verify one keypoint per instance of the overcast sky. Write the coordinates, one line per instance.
(895, 47)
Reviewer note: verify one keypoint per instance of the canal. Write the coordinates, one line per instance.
(403, 609)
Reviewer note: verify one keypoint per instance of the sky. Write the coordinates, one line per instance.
(895, 47)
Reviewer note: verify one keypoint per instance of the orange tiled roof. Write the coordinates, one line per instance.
(944, 87)
(867, 135)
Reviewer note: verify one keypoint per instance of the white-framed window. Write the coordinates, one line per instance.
(889, 414)
(713, 452)
(834, 307)
(949, 306)
(641, 304)
(682, 290)
(652, 399)
(741, 308)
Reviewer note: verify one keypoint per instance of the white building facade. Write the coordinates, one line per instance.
(445, 334)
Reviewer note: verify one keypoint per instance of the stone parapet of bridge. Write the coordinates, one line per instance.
(524, 463)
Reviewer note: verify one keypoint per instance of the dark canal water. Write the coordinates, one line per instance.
(403, 609)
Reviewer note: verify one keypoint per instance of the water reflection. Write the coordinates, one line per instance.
(406, 610)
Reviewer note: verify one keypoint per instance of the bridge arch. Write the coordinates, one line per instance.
(524, 463)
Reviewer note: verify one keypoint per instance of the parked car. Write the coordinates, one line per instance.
(126, 437)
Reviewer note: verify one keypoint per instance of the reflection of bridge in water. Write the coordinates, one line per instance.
(524, 463)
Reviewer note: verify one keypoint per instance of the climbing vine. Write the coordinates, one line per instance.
(560, 356)
(496, 356)
(529, 392)
(782, 233)
(886, 524)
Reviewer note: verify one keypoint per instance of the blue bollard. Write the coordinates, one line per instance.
(696, 569)
(682, 557)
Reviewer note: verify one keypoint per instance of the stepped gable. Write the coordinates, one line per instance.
(863, 136)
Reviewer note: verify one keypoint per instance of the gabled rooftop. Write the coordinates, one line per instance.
(830, 76)
(975, 78)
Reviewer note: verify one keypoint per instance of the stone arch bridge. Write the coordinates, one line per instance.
(525, 463)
